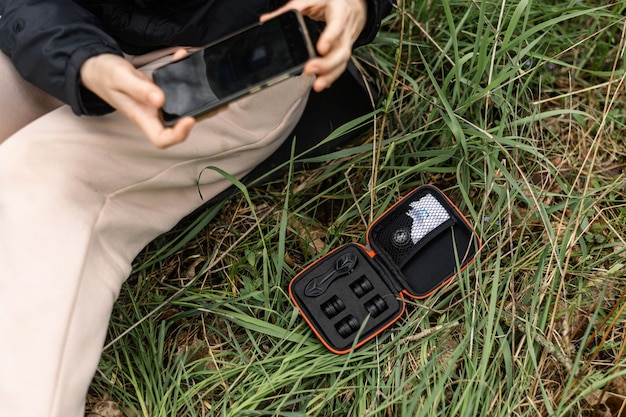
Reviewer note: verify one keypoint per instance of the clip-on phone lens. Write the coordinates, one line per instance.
(347, 326)
(376, 306)
(361, 286)
(333, 307)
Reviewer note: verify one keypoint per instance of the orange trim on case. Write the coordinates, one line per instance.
(371, 254)
(311, 326)
(360, 343)
(469, 262)
(469, 225)
(302, 313)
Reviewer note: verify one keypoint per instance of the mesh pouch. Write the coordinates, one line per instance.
(411, 225)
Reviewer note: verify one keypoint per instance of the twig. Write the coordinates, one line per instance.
(514, 320)
(428, 332)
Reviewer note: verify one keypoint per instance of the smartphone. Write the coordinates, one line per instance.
(232, 67)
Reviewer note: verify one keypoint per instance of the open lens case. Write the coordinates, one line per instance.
(355, 292)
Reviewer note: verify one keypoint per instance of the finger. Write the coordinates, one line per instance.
(139, 87)
(165, 137)
(149, 122)
(334, 32)
(267, 16)
(327, 69)
(310, 8)
(270, 15)
(323, 82)
(179, 54)
(146, 117)
(337, 58)
(180, 131)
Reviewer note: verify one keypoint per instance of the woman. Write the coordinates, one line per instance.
(81, 196)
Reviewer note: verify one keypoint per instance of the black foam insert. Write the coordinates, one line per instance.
(352, 298)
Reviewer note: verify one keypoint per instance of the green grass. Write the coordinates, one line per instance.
(517, 111)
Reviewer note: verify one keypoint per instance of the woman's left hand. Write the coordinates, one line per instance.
(135, 95)
(345, 19)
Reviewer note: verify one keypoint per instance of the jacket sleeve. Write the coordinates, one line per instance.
(48, 41)
(377, 10)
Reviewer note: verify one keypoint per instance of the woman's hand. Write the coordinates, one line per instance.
(133, 93)
(345, 19)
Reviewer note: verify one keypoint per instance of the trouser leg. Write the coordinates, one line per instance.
(79, 198)
(20, 101)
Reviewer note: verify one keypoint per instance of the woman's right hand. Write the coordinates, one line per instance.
(135, 95)
(345, 19)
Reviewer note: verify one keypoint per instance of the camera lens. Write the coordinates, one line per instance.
(347, 326)
(376, 306)
(333, 307)
(401, 237)
(361, 286)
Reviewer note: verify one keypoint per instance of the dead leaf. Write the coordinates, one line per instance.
(609, 401)
(106, 408)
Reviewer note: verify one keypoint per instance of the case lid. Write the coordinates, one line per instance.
(424, 240)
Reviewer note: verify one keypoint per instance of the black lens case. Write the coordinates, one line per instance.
(354, 292)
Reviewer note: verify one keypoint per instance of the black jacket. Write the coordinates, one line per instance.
(48, 40)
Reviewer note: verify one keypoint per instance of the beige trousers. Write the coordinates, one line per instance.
(79, 198)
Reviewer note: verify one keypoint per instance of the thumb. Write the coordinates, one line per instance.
(142, 89)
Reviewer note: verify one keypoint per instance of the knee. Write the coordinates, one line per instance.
(20, 101)
(35, 176)
(45, 201)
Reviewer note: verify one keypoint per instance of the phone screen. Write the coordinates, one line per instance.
(234, 66)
